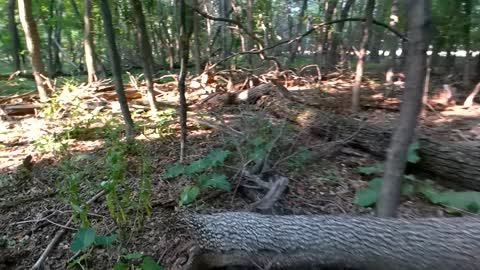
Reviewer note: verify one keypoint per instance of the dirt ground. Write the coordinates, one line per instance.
(32, 211)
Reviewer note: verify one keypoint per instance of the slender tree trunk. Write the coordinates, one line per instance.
(33, 45)
(57, 37)
(300, 26)
(145, 50)
(337, 37)
(196, 37)
(116, 68)
(88, 42)
(248, 39)
(184, 35)
(330, 6)
(50, 43)
(12, 26)
(226, 40)
(361, 55)
(466, 66)
(392, 40)
(75, 8)
(418, 29)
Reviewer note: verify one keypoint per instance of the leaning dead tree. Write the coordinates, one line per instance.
(294, 242)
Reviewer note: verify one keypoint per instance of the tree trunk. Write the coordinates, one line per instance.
(365, 243)
(418, 28)
(392, 40)
(145, 51)
(467, 26)
(249, 26)
(57, 38)
(12, 27)
(33, 44)
(197, 44)
(337, 37)
(116, 68)
(300, 26)
(330, 6)
(469, 101)
(88, 42)
(457, 163)
(184, 38)
(361, 56)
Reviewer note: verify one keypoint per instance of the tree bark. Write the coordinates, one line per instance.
(300, 26)
(196, 38)
(418, 27)
(33, 45)
(116, 68)
(361, 56)
(145, 51)
(12, 26)
(337, 37)
(88, 44)
(184, 36)
(456, 163)
(469, 100)
(467, 27)
(293, 242)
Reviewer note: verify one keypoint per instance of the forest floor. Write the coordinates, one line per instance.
(34, 200)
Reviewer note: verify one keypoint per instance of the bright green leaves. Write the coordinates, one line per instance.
(198, 169)
(150, 264)
(466, 200)
(371, 169)
(83, 239)
(413, 156)
(188, 195)
(86, 237)
(214, 180)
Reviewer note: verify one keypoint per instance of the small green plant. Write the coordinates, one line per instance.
(50, 143)
(84, 240)
(368, 196)
(202, 170)
(146, 262)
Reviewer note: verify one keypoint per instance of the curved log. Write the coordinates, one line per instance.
(293, 242)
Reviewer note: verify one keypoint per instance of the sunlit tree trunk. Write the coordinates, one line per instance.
(33, 45)
(116, 68)
(12, 27)
(418, 13)
(392, 41)
(88, 42)
(361, 55)
(145, 50)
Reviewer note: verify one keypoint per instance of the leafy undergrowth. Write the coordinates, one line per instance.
(145, 188)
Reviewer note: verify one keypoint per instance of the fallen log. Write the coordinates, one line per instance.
(456, 163)
(293, 242)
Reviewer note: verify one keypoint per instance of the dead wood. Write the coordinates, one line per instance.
(456, 163)
(301, 242)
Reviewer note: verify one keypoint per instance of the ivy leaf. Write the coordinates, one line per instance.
(217, 156)
(371, 169)
(412, 153)
(82, 239)
(174, 171)
(189, 194)
(365, 197)
(214, 180)
(410, 177)
(197, 166)
(150, 264)
(375, 184)
(105, 239)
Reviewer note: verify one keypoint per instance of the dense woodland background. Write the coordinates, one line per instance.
(190, 134)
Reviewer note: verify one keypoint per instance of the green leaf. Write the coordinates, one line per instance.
(407, 189)
(189, 194)
(83, 239)
(468, 200)
(412, 153)
(217, 156)
(371, 169)
(134, 255)
(365, 197)
(197, 166)
(174, 171)
(214, 180)
(119, 265)
(105, 239)
(150, 264)
(375, 184)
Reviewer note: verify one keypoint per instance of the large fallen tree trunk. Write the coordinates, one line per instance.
(293, 242)
(453, 162)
